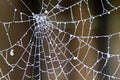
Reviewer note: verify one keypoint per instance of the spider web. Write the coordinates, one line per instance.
(51, 46)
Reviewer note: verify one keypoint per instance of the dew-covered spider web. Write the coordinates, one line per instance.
(58, 40)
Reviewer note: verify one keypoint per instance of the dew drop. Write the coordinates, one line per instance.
(75, 58)
(108, 12)
(12, 52)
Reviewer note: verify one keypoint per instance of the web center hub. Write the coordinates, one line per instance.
(40, 24)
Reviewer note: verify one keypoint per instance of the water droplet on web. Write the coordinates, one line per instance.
(46, 11)
(108, 12)
(15, 10)
(75, 58)
(49, 56)
(108, 55)
(57, 6)
(12, 70)
(11, 52)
